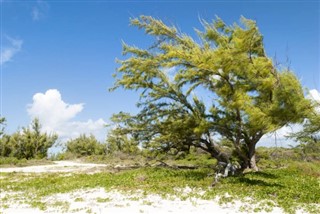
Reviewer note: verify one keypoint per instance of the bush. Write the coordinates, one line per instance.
(124, 143)
(11, 161)
(29, 143)
(85, 146)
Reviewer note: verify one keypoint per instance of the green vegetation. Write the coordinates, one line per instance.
(2, 123)
(89, 149)
(250, 96)
(29, 143)
(12, 161)
(294, 185)
(117, 141)
(309, 137)
(85, 146)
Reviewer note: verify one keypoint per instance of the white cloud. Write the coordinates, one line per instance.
(8, 50)
(40, 10)
(279, 137)
(57, 116)
(314, 95)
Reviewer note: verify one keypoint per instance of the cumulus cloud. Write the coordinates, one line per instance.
(10, 48)
(315, 95)
(57, 116)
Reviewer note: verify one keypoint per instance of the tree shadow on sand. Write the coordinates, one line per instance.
(260, 182)
(265, 175)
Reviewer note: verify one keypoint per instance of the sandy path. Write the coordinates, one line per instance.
(58, 166)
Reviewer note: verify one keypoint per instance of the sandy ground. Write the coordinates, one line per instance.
(100, 201)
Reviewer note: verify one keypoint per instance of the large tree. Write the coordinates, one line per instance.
(249, 96)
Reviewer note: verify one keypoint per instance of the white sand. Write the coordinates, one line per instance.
(58, 166)
(99, 201)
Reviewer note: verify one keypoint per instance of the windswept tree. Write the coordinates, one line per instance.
(249, 95)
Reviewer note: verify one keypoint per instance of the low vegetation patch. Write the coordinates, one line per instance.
(13, 161)
(289, 187)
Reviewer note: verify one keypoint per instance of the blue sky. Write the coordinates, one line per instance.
(70, 47)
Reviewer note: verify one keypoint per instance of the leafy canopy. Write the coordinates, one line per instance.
(28, 143)
(249, 96)
(85, 146)
(309, 136)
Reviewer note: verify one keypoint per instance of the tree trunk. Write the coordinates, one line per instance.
(220, 156)
(252, 157)
(253, 164)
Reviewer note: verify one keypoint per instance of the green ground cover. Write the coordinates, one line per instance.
(292, 186)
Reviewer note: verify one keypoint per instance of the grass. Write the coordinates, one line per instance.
(103, 200)
(288, 187)
(296, 185)
(14, 162)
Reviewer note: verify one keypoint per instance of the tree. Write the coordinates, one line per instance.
(85, 146)
(2, 124)
(28, 143)
(4, 139)
(309, 136)
(250, 97)
(118, 141)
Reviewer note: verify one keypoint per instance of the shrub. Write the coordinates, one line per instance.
(85, 146)
(29, 143)
(118, 142)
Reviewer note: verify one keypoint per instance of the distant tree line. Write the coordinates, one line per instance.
(31, 143)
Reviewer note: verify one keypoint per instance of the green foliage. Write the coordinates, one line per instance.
(12, 161)
(64, 156)
(85, 146)
(2, 124)
(309, 136)
(250, 97)
(28, 143)
(309, 150)
(117, 141)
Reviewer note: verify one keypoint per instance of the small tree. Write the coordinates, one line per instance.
(4, 150)
(250, 97)
(28, 143)
(2, 123)
(85, 146)
(118, 141)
